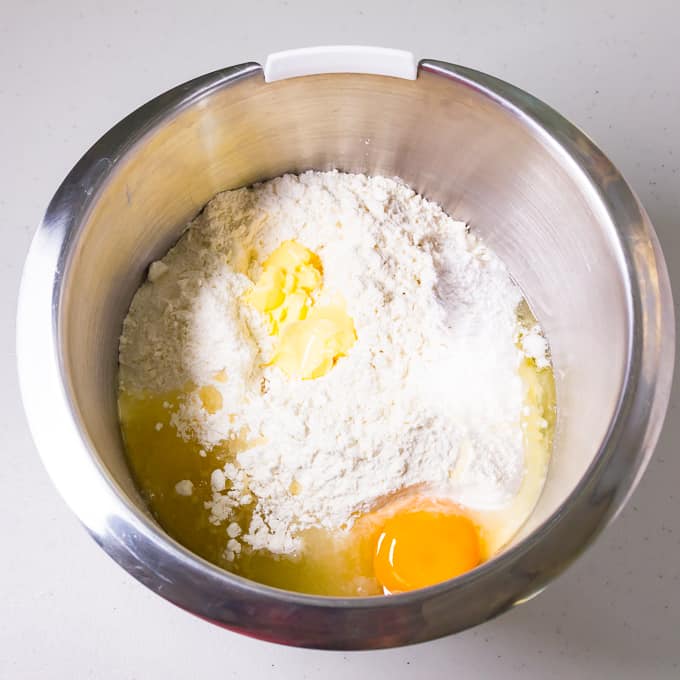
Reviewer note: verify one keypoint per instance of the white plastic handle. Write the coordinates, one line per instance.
(307, 61)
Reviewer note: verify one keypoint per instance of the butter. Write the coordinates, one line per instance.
(309, 348)
(313, 329)
(211, 398)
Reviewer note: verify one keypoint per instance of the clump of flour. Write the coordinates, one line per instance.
(428, 396)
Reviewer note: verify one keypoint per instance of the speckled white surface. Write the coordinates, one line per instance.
(69, 70)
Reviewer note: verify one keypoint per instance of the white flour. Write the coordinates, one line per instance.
(429, 395)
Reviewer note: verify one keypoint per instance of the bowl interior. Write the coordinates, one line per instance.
(454, 142)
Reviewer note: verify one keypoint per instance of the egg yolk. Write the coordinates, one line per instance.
(419, 548)
(312, 329)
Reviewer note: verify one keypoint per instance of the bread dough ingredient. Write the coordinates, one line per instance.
(430, 396)
(419, 547)
(313, 329)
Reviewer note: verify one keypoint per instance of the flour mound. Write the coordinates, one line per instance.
(429, 395)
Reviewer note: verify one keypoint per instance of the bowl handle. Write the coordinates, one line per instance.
(381, 61)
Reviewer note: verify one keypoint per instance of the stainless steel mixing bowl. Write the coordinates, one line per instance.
(533, 186)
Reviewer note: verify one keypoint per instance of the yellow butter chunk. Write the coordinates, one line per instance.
(309, 348)
(211, 398)
(312, 330)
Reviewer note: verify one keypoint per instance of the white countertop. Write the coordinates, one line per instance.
(69, 70)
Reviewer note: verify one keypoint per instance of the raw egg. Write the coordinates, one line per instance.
(420, 547)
